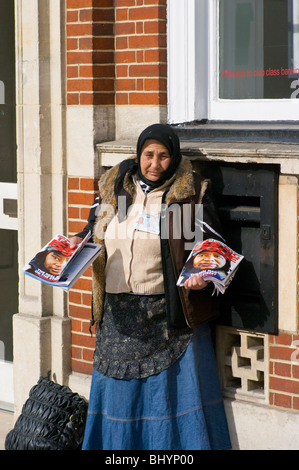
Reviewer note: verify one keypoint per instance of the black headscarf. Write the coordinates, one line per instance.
(164, 134)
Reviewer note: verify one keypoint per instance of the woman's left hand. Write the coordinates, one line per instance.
(195, 282)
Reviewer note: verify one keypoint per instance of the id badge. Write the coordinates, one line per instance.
(148, 223)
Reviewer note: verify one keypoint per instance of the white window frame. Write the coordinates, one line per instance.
(193, 81)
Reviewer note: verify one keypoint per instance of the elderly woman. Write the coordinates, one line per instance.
(154, 383)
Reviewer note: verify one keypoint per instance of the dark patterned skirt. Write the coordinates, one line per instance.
(133, 340)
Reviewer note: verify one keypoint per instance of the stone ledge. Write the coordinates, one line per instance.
(286, 155)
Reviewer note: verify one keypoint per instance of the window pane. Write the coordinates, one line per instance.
(258, 49)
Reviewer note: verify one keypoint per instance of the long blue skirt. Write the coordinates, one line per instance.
(180, 408)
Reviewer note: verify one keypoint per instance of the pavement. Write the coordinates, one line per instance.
(6, 424)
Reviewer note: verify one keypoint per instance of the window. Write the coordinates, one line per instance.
(233, 60)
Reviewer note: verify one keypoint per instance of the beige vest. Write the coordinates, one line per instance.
(133, 253)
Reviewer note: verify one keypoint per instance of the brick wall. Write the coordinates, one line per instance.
(81, 194)
(90, 52)
(116, 52)
(284, 371)
(140, 52)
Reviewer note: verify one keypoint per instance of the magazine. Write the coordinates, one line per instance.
(59, 265)
(214, 261)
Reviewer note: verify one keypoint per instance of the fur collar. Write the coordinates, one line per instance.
(182, 188)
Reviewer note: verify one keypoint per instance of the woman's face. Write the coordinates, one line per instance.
(54, 262)
(154, 159)
(209, 260)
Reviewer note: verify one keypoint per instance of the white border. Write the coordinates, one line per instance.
(193, 55)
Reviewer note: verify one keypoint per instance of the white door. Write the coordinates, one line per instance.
(8, 203)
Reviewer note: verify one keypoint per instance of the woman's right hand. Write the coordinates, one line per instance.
(75, 241)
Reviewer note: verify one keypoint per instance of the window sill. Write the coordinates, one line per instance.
(284, 131)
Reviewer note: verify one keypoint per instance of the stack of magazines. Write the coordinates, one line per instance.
(214, 261)
(60, 265)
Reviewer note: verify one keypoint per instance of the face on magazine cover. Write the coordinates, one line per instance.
(209, 260)
(54, 262)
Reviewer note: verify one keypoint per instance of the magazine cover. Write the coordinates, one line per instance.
(59, 265)
(214, 261)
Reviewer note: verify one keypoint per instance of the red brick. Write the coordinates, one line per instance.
(122, 98)
(121, 71)
(72, 16)
(144, 99)
(103, 4)
(124, 28)
(121, 14)
(155, 55)
(146, 13)
(79, 85)
(103, 15)
(124, 3)
(73, 213)
(80, 198)
(103, 29)
(146, 42)
(155, 84)
(140, 56)
(281, 400)
(88, 355)
(155, 27)
(121, 42)
(82, 367)
(284, 338)
(73, 183)
(77, 4)
(83, 284)
(82, 340)
(73, 99)
(86, 299)
(281, 352)
(75, 297)
(79, 29)
(86, 327)
(155, 2)
(296, 403)
(282, 369)
(88, 184)
(126, 56)
(146, 70)
(76, 227)
(284, 385)
(80, 57)
(104, 99)
(103, 57)
(76, 326)
(126, 85)
(72, 71)
(76, 353)
(72, 44)
(79, 312)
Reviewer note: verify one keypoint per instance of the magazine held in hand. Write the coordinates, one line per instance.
(214, 261)
(59, 265)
